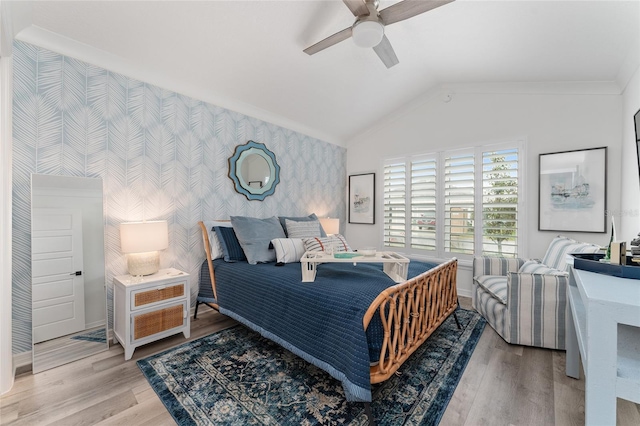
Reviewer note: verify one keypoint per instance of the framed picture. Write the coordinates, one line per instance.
(362, 198)
(572, 191)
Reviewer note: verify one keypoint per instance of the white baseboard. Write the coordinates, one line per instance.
(464, 292)
(94, 324)
(22, 362)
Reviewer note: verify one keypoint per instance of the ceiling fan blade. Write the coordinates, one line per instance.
(409, 8)
(329, 41)
(357, 7)
(385, 52)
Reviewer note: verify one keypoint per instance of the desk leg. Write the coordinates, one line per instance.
(309, 270)
(601, 367)
(572, 367)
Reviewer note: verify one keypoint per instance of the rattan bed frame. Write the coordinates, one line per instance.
(410, 311)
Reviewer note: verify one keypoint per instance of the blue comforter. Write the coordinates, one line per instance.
(319, 321)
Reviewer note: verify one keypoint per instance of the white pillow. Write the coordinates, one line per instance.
(535, 267)
(288, 250)
(303, 229)
(321, 243)
(214, 242)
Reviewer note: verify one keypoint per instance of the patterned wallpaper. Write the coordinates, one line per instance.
(161, 155)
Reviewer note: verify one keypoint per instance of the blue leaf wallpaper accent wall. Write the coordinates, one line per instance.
(161, 155)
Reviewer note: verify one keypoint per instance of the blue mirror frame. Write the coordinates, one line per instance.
(242, 183)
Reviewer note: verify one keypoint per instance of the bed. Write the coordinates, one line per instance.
(353, 321)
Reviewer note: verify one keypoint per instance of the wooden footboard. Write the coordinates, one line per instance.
(410, 312)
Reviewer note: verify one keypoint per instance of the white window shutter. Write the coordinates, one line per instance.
(395, 210)
(459, 219)
(423, 203)
(500, 202)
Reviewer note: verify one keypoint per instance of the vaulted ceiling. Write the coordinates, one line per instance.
(248, 55)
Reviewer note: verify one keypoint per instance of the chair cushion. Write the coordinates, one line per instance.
(561, 246)
(535, 267)
(495, 285)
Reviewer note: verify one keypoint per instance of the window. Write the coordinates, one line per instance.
(459, 203)
(454, 203)
(394, 205)
(423, 203)
(500, 203)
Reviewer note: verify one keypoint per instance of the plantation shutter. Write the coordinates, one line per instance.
(500, 202)
(459, 202)
(423, 203)
(395, 212)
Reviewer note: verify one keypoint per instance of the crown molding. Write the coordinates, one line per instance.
(538, 88)
(629, 67)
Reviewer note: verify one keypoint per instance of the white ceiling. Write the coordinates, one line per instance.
(247, 55)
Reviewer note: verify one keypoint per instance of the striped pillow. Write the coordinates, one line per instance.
(535, 267)
(560, 247)
(288, 250)
(303, 229)
(321, 244)
(231, 248)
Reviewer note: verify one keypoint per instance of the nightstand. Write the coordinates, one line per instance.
(150, 308)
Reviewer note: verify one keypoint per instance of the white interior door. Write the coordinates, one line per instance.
(58, 283)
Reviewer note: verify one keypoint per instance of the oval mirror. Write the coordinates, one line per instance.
(254, 170)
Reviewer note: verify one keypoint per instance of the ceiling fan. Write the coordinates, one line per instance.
(368, 29)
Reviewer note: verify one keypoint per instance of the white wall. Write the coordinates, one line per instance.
(630, 203)
(548, 122)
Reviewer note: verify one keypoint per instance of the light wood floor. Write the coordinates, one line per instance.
(502, 385)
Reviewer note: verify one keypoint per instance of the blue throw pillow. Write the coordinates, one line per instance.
(255, 237)
(311, 217)
(231, 248)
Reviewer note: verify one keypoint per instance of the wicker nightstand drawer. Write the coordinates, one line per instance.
(155, 322)
(155, 295)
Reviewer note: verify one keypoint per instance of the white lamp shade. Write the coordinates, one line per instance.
(142, 237)
(331, 225)
(367, 33)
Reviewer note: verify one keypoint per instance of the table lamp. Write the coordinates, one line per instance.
(141, 242)
(331, 225)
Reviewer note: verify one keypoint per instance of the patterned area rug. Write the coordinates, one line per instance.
(237, 377)
(99, 335)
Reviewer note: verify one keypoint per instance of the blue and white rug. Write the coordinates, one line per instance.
(99, 335)
(237, 377)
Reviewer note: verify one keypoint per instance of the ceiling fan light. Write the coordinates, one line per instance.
(368, 33)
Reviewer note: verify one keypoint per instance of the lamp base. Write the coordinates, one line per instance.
(143, 263)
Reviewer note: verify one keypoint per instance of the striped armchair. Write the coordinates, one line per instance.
(525, 301)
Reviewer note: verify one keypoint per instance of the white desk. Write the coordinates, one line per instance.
(394, 265)
(603, 326)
